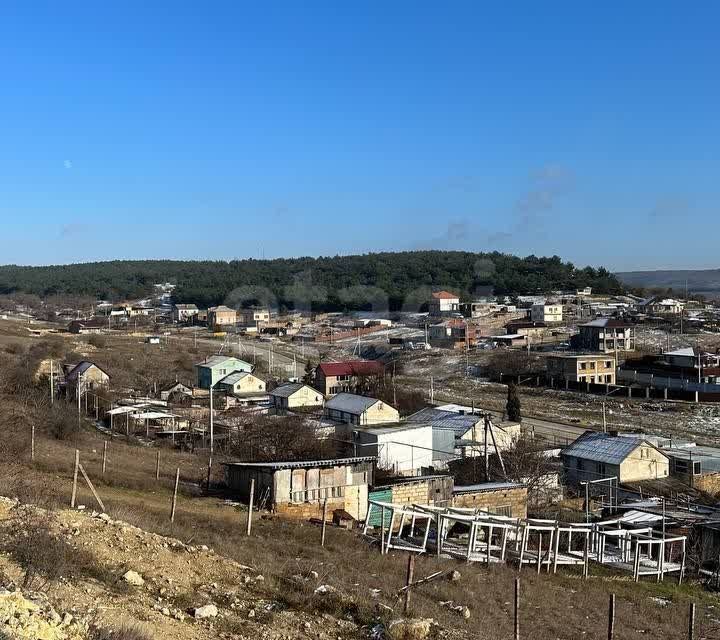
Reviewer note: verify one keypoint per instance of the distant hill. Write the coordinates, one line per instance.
(699, 281)
(374, 280)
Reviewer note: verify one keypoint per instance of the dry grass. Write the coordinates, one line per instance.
(563, 606)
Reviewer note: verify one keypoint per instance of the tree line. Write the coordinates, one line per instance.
(375, 281)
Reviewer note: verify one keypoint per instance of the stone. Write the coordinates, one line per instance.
(165, 611)
(409, 629)
(454, 576)
(133, 578)
(207, 611)
(251, 613)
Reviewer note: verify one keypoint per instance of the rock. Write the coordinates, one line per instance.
(409, 629)
(260, 578)
(207, 611)
(104, 517)
(466, 613)
(314, 575)
(324, 589)
(251, 613)
(165, 611)
(134, 578)
(454, 576)
(203, 547)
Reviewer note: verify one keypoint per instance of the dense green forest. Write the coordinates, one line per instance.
(375, 280)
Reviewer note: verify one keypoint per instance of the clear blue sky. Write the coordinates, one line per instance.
(236, 129)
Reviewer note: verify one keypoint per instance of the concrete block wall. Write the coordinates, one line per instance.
(515, 498)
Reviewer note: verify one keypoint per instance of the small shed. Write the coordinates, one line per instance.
(298, 489)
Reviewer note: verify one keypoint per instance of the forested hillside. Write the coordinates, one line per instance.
(362, 281)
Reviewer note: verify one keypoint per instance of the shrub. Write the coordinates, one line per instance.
(124, 631)
(97, 341)
(41, 554)
(63, 422)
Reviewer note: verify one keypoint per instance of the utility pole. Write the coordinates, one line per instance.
(212, 424)
(485, 447)
(432, 391)
(52, 383)
(604, 420)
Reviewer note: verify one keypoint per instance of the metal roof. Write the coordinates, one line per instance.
(81, 368)
(444, 419)
(301, 464)
(610, 323)
(487, 486)
(351, 403)
(234, 377)
(352, 368)
(685, 351)
(603, 447)
(286, 390)
(390, 427)
(214, 361)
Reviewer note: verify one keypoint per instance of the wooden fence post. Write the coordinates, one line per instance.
(32, 443)
(209, 472)
(408, 581)
(75, 477)
(324, 523)
(517, 609)
(691, 622)
(157, 466)
(92, 488)
(250, 507)
(611, 617)
(104, 460)
(174, 499)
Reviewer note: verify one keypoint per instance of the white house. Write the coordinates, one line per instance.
(242, 383)
(546, 313)
(443, 303)
(295, 395)
(404, 448)
(353, 409)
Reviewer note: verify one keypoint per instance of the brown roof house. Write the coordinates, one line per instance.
(337, 377)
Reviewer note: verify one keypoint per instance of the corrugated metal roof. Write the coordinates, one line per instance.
(442, 419)
(214, 361)
(234, 377)
(81, 368)
(487, 486)
(300, 464)
(352, 368)
(350, 403)
(609, 323)
(603, 447)
(286, 390)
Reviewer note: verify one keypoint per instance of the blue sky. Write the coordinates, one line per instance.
(230, 129)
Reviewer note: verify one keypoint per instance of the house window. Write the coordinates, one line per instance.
(504, 510)
(583, 365)
(601, 468)
(608, 364)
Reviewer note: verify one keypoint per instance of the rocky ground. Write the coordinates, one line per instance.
(175, 590)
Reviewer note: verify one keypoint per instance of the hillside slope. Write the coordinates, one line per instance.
(374, 280)
(703, 281)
